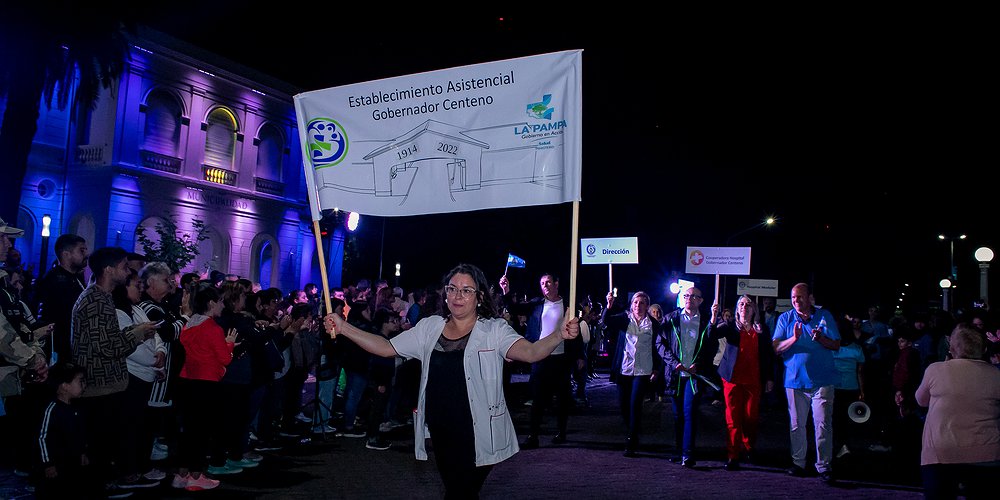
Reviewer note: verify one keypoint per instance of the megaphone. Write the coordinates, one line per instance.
(859, 412)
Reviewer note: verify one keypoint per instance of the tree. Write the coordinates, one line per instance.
(176, 250)
(46, 50)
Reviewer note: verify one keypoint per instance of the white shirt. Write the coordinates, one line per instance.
(552, 322)
(496, 439)
(638, 359)
(689, 338)
(140, 362)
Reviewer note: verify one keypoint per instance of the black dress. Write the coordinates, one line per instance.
(449, 420)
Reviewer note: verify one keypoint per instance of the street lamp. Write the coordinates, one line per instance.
(945, 285)
(46, 222)
(951, 241)
(767, 222)
(984, 255)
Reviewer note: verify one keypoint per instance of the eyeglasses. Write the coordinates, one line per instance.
(454, 291)
(689, 296)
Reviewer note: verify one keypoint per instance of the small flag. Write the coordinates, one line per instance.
(514, 261)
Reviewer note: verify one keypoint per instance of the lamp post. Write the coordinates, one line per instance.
(984, 255)
(46, 222)
(945, 285)
(951, 241)
(768, 222)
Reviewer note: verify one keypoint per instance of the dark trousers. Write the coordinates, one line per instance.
(685, 404)
(376, 410)
(139, 422)
(941, 480)
(104, 417)
(203, 414)
(549, 377)
(631, 392)
(236, 431)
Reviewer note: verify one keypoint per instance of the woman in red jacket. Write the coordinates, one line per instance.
(208, 350)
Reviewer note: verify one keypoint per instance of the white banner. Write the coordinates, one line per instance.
(609, 250)
(718, 260)
(762, 288)
(498, 134)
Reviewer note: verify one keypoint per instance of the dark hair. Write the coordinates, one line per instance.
(106, 257)
(66, 241)
(484, 300)
(137, 256)
(310, 285)
(301, 311)
(335, 303)
(201, 294)
(246, 284)
(64, 372)
(554, 276)
(120, 295)
(381, 317)
(231, 292)
(188, 278)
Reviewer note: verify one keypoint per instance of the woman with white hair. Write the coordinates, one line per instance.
(961, 442)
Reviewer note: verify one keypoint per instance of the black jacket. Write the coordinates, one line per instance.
(670, 350)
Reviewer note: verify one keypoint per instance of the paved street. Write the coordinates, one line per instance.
(590, 465)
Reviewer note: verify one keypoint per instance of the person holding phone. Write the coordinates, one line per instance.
(145, 366)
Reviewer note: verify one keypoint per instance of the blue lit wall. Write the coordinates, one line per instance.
(94, 179)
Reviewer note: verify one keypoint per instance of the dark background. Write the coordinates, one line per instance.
(867, 133)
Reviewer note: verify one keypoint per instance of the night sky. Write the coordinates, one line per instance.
(866, 133)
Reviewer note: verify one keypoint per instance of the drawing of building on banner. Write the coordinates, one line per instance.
(436, 159)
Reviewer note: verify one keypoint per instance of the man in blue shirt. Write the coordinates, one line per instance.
(806, 338)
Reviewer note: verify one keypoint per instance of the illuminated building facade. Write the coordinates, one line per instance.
(187, 135)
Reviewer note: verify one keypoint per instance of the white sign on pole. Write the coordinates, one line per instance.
(609, 250)
(762, 288)
(498, 134)
(718, 260)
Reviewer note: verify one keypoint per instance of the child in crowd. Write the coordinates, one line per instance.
(62, 439)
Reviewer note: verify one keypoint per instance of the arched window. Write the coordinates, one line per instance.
(162, 133)
(269, 153)
(220, 139)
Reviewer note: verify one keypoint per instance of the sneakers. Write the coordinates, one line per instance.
(202, 483)
(304, 419)
(155, 475)
(116, 491)
(241, 463)
(385, 427)
(351, 433)
(225, 469)
(159, 452)
(826, 476)
(253, 456)
(137, 482)
(378, 443)
(324, 429)
(268, 446)
(180, 481)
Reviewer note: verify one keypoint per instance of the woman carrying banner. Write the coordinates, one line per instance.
(744, 368)
(462, 353)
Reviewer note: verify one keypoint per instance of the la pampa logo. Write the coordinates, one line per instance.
(541, 110)
(327, 142)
